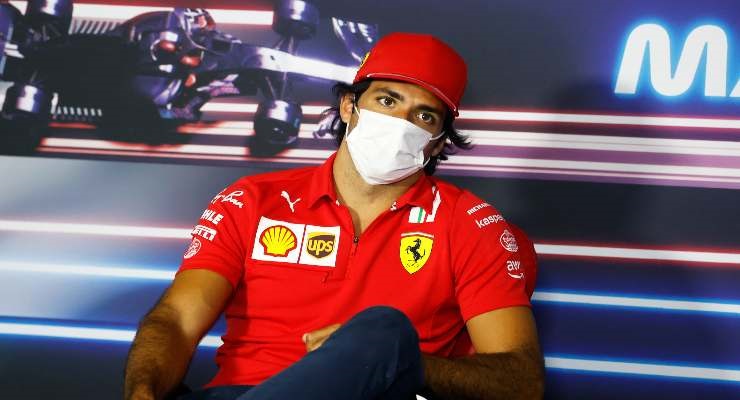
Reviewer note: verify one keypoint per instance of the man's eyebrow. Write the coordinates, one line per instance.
(398, 96)
(390, 92)
(431, 109)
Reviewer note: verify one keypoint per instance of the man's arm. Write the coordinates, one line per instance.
(169, 333)
(507, 364)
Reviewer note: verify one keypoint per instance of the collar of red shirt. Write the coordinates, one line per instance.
(322, 185)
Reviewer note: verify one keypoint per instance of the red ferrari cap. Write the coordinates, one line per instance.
(420, 59)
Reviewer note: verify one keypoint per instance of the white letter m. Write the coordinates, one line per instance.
(655, 38)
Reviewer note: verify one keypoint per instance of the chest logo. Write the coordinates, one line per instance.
(278, 241)
(320, 244)
(286, 196)
(415, 249)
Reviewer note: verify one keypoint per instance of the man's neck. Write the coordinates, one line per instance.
(359, 196)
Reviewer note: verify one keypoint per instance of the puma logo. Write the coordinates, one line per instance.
(286, 196)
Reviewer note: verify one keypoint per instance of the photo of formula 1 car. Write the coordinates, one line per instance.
(139, 79)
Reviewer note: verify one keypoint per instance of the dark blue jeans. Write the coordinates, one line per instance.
(375, 355)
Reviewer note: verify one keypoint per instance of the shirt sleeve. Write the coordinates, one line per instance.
(486, 259)
(217, 239)
(528, 256)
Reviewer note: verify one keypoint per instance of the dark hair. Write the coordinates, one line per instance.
(337, 127)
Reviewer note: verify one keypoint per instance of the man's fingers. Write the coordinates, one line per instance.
(315, 339)
(322, 333)
(317, 343)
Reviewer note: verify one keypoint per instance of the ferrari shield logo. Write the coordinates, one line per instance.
(415, 250)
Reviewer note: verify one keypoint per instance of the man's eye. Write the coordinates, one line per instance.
(426, 117)
(386, 101)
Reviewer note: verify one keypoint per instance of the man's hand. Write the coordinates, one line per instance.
(314, 340)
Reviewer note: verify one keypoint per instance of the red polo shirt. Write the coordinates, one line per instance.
(440, 254)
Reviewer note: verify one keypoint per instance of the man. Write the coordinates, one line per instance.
(362, 278)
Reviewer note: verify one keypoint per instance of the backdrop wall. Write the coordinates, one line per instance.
(607, 130)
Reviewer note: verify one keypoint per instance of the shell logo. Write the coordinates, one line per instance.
(278, 241)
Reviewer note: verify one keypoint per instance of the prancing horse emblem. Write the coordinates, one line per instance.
(415, 250)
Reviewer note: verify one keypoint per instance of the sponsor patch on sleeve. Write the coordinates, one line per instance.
(204, 232)
(193, 249)
(514, 269)
(211, 216)
(508, 241)
(474, 209)
(229, 198)
(491, 219)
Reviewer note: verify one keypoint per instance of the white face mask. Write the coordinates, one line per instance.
(386, 149)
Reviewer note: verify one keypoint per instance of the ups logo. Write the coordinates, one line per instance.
(320, 244)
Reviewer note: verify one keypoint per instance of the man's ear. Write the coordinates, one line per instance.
(345, 107)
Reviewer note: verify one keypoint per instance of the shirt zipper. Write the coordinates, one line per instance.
(355, 241)
(353, 248)
(356, 238)
(352, 251)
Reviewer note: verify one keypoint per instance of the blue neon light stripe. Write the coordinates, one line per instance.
(661, 304)
(554, 362)
(545, 296)
(647, 369)
(83, 333)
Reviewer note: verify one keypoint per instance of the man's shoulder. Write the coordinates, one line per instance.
(468, 210)
(461, 200)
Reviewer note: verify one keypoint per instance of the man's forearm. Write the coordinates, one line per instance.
(158, 358)
(516, 375)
